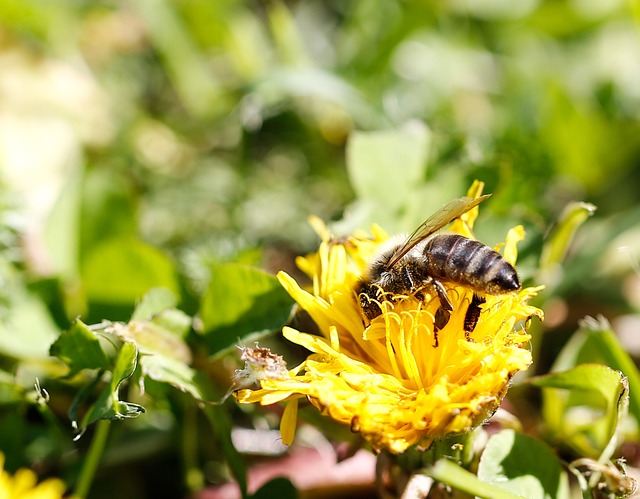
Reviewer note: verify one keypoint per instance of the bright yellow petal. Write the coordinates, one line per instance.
(398, 380)
(289, 421)
(514, 236)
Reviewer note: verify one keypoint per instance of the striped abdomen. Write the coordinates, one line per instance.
(457, 259)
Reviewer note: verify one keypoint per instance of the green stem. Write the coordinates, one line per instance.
(445, 471)
(193, 475)
(92, 460)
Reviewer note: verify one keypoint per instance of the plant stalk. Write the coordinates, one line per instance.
(92, 460)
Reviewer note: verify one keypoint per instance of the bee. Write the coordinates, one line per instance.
(427, 259)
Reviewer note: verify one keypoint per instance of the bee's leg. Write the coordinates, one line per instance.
(369, 297)
(440, 321)
(472, 315)
(442, 294)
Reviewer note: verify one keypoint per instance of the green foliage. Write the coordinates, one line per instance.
(80, 348)
(278, 487)
(121, 270)
(108, 404)
(524, 466)
(241, 303)
(447, 472)
(594, 386)
(159, 162)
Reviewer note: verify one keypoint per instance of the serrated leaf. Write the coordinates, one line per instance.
(524, 466)
(80, 349)
(595, 386)
(174, 372)
(239, 301)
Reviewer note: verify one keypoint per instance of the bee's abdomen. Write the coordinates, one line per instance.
(455, 258)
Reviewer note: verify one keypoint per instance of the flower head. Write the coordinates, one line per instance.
(403, 377)
(23, 485)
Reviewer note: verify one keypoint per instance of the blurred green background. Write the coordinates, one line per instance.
(144, 142)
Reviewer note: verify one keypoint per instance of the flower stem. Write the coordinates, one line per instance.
(194, 477)
(92, 460)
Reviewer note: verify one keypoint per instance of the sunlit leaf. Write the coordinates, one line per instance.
(375, 160)
(152, 339)
(122, 270)
(27, 328)
(62, 231)
(158, 334)
(174, 372)
(583, 407)
(447, 472)
(523, 465)
(239, 301)
(596, 342)
(557, 245)
(157, 300)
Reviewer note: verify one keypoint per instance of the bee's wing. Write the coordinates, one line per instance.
(448, 213)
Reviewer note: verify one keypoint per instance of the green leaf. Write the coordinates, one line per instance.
(79, 348)
(152, 339)
(123, 269)
(174, 372)
(239, 301)
(593, 387)
(156, 301)
(278, 487)
(375, 158)
(62, 229)
(165, 357)
(524, 466)
(10, 391)
(595, 342)
(109, 405)
(125, 366)
(557, 245)
(447, 472)
(157, 331)
(27, 328)
(107, 210)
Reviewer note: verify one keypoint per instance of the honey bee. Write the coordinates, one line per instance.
(425, 259)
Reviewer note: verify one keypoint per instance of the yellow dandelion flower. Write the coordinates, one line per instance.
(23, 485)
(388, 378)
